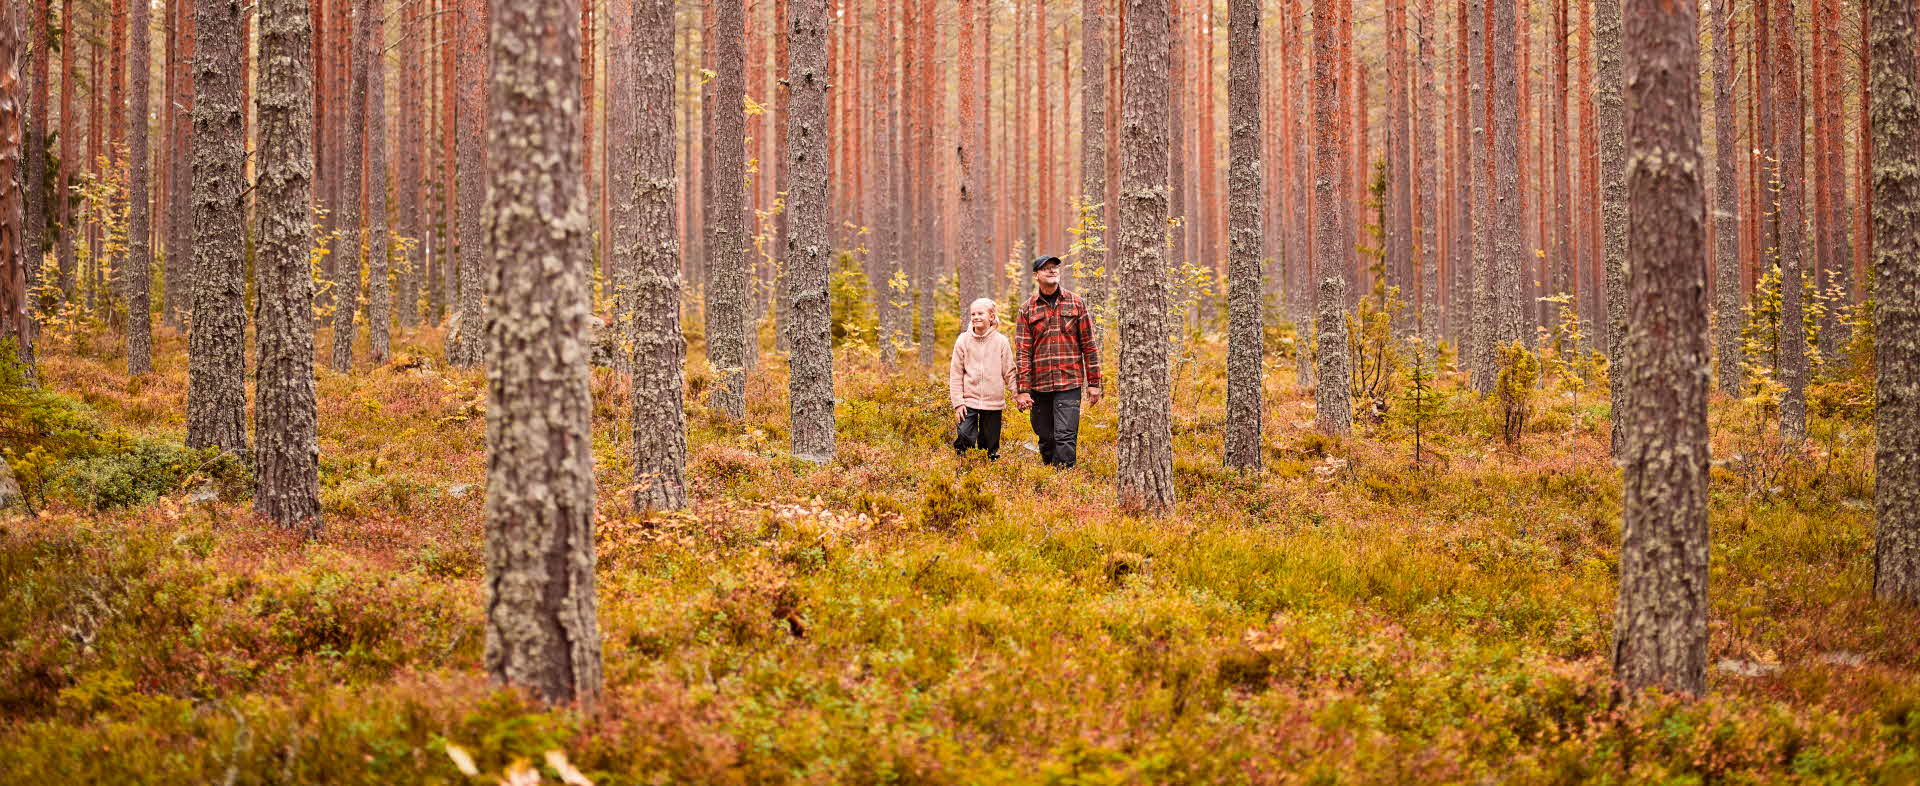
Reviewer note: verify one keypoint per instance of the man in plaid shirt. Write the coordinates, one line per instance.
(1055, 359)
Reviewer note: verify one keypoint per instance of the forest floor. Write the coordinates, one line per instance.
(905, 615)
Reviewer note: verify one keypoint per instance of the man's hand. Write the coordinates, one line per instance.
(959, 414)
(1024, 401)
(1093, 396)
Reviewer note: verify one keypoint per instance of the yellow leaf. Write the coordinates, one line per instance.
(462, 759)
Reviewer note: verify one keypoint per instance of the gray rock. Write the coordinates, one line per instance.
(1747, 668)
(10, 494)
(204, 494)
(1852, 660)
(459, 490)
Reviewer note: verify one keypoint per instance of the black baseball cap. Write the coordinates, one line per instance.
(1041, 262)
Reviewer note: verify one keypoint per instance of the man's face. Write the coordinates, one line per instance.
(1048, 277)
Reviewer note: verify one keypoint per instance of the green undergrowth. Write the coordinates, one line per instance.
(904, 615)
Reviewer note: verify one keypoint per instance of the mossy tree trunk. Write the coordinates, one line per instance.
(1660, 629)
(216, 348)
(1726, 207)
(469, 345)
(16, 326)
(647, 253)
(1333, 410)
(809, 247)
(286, 450)
(726, 230)
(139, 279)
(1246, 350)
(379, 292)
(1896, 265)
(541, 628)
(1145, 441)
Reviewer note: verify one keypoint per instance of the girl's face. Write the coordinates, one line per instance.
(980, 318)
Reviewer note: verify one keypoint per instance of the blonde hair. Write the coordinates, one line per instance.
(993, 309)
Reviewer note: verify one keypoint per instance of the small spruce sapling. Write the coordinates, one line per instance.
(1519, 369)
(1421, 403)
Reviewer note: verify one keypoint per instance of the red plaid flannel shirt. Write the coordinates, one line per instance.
(1053, 345)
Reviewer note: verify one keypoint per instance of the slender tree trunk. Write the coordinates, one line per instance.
(216, 350)
(1145, 441)
(1660, 632)
(16, 320)
(139, 279)
(1896, 311)
(407, 201)
(180, 214)
(1789, 135)
(648, 253)
(474, 32)
(1463, 309)
(1399, 154)
(286, 451)
(1093, 143)
(35, 169)
(353, 207)
(1726, 217)
(809, 251)
(542, 633)
(1246, 350)
(727, 234)
(69, 157)
(379, 290)
(1837, 277)
(1609, 98)
(1426, 149)
(1563, 253)
(1332, 398)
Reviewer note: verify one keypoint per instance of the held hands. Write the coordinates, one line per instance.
(1024, 401)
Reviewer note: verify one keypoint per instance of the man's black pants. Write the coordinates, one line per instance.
(979, 430)
(1056, 421)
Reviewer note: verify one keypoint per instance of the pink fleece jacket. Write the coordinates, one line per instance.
(981, 374)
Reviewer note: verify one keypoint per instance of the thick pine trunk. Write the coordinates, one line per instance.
(286, 450)
(1660, 631)
(1332, 398)
(1427, 318)
(1789, 135)
(1399, 154)
(352, 220)
(1485, 334)
(216, 350)
(1896, 312)
(726, 231)
(1510, 289)
(809, 252)
(34, 172)
(647, 253)
(1145, 441)
(1246, 350)
(542, 634)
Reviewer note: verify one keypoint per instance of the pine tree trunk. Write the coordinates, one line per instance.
(1660, 632)
(1611, 103)
(809, 252)
(1145, 441)
(1485, 332)
(1836, 276)
(1510, 289)
(542, 633)
(1462, 309)
(352, 221)
(379, 290)
(1788, 130)
(1726, 208)
(69, 157)
(139, 279)
(1332, 398)
(647, 252)
(474, 33)
(216, 349)
(1246, 350)
(1093, 144)
(1426, 149)
(178, 291)
(407, 199)
(286, 450)
(1400, 176)
(1896, 312)
(727, 234)
(16, 325)
(34, 173)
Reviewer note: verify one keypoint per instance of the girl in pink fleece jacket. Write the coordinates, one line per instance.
(980, 379)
